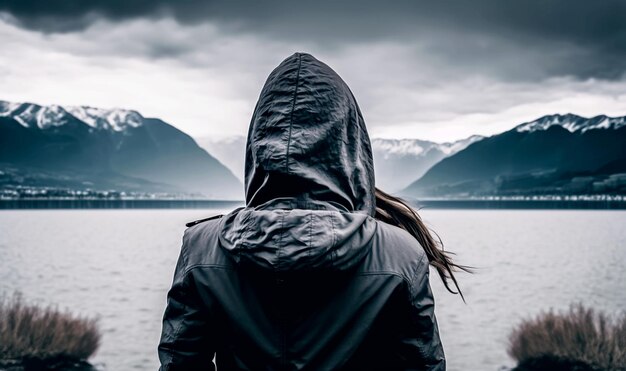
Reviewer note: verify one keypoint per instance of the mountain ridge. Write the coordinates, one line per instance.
(87, 141)
(573, 123)
(398, 162)
(552, 154)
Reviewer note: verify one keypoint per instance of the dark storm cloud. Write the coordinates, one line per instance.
(518, 39)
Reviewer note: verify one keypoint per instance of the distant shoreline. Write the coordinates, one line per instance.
(68, 204)
(523, 204)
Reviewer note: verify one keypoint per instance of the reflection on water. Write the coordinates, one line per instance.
(118, 264)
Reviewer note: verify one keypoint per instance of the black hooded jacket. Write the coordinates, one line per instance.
(303, 277)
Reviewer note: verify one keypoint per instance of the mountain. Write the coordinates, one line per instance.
(105, 149)
(231, 151)
(554, 154)
(398, 162)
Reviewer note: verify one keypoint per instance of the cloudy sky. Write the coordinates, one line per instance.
(436, 70)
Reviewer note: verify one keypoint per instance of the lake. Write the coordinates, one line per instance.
(118, 265)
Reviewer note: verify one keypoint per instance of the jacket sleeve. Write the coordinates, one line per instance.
(420, 343)
(185, 342)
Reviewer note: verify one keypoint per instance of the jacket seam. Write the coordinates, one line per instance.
(183, 283)
(280, 243)
(245, 232)
(178, 329)
(414, 276)
(386, 273)
(276, 273)
(407, 281)
(310, 235)
(333, 252)
(293, 107)
(216, 266)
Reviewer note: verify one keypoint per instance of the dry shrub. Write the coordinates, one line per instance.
(30, 331)
(580, 334)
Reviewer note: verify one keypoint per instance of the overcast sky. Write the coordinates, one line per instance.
(436, 70)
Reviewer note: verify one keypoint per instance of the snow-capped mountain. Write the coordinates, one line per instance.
(398, 162)
(43, 117)
(450, 148)
(573, 123)
(98, 145)
(416, 147)
(555, 154)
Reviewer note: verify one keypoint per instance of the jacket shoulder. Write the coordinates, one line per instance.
(394, 250)
(201, 243)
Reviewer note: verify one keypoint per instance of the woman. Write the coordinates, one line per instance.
(314, 272)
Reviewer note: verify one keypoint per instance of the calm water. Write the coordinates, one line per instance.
(118, 264)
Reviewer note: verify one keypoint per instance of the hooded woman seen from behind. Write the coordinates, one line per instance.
(306, 276)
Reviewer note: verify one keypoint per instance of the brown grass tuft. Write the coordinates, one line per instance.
(33, 331)
(580, 334)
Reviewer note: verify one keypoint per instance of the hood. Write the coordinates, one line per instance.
(309, 175)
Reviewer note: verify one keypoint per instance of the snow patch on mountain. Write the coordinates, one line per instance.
(572, 123)
(417, 147)
(51, 116)
(44, 117)
(7, 107)
(400, 147)
(100, 118)
(450, 148)
(33, 115)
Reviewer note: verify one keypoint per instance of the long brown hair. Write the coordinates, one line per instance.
(395, 211)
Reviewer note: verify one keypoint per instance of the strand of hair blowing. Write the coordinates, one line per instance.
(395, 211)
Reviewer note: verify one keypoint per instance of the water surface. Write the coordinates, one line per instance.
(118, 265)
